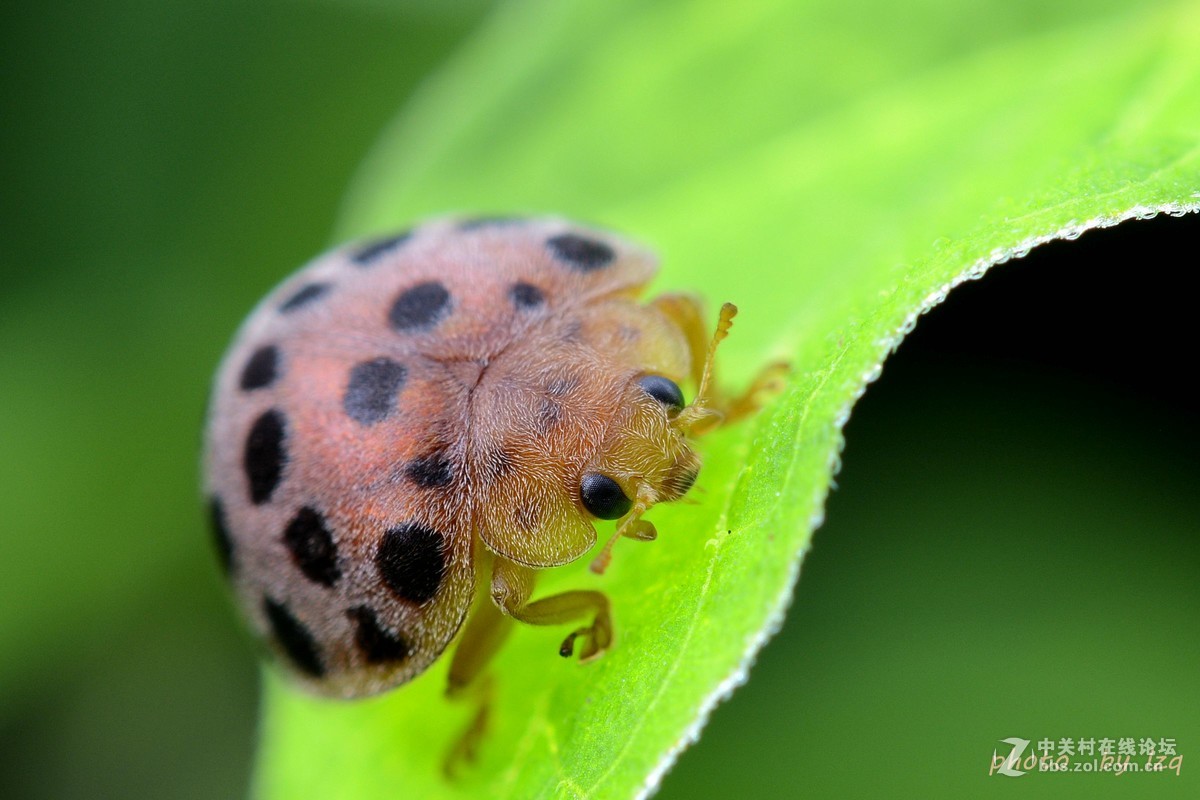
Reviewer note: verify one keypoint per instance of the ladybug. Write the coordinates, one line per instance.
(407, 419)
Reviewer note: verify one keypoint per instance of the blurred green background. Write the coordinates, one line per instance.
(1012, 550)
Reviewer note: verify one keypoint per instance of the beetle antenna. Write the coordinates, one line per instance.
(698, 414)
(728, 312)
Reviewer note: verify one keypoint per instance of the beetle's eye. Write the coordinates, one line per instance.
(603, 497)
(664, 390)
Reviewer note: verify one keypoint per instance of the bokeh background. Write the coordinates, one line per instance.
(1011, 551)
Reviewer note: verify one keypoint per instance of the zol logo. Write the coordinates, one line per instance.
(1007, 765)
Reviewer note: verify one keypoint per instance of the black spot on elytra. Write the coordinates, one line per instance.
(431, 471)
(378, 646)
(294, 638)
(628, 333)
(311, 545)
(262, 368)
(475, 223)
(220, 533)
(371, 393)
(580, 252)
(550, 410)
(561, 387)
(497, 463)
(573, 332)
(412, 561)
(370, 252)
(526, 518)
(265, 455)
(419, 306)
(549, 413)
(306, 295)
(526, 295)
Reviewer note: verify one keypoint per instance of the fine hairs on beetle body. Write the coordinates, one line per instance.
(405, 420)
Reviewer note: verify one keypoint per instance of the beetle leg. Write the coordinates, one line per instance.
(711, 406)
(482, 636)
(769, 382)
(465, 749)
(512, 584)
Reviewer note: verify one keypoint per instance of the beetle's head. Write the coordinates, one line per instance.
(648, 458)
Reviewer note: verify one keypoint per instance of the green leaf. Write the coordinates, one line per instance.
(833, 168)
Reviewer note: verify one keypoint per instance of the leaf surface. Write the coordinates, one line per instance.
(834, 169)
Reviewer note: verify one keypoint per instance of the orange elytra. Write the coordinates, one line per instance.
(405, 420)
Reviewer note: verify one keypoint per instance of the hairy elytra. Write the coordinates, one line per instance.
(456, 406)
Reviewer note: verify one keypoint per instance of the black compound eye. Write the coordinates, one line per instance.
(603, 497)
(664, 390)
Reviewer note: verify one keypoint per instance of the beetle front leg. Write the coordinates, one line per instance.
(512, 585)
